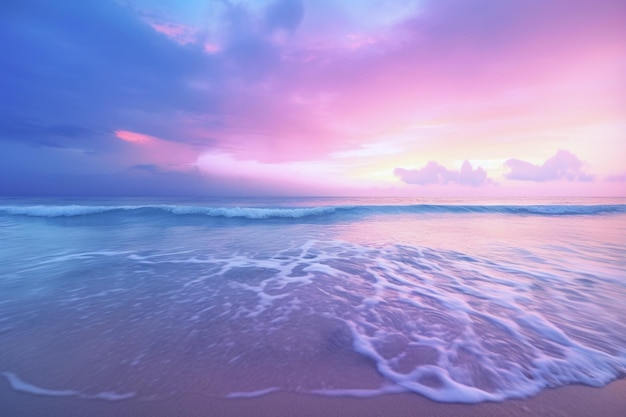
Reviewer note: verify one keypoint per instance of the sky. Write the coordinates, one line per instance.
(313, 97)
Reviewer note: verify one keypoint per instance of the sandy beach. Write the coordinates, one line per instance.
(569, 401)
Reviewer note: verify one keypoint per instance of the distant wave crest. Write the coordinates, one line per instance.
(259, 213)
(230, 212)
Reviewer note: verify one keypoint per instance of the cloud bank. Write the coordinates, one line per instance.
(562, 166)
(434, 173)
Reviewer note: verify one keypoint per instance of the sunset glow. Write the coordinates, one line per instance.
(134, 137)
(365, 98)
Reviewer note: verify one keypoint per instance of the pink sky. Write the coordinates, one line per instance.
(379, 97)
(344, 109)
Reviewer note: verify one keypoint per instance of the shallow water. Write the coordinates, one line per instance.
(458, 301)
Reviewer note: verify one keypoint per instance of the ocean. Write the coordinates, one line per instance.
(457, 300)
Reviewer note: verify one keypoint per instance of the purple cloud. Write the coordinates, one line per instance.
(562, 166)
(433, 173)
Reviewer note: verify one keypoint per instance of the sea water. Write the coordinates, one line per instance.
(457, 300)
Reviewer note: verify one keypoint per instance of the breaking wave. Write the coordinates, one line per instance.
(262, 213)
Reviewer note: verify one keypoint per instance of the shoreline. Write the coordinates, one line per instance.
(566, 401)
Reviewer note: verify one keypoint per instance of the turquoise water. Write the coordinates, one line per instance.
(458, 300)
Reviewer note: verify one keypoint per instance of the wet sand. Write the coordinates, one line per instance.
(569, 401)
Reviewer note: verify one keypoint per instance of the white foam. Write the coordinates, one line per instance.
(474, 364)
(20, 385)
(252, 394)
(450, 326)
(82, 255)
(363, 393)
(110, 396)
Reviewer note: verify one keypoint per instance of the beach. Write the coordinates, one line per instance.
(312, 307)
